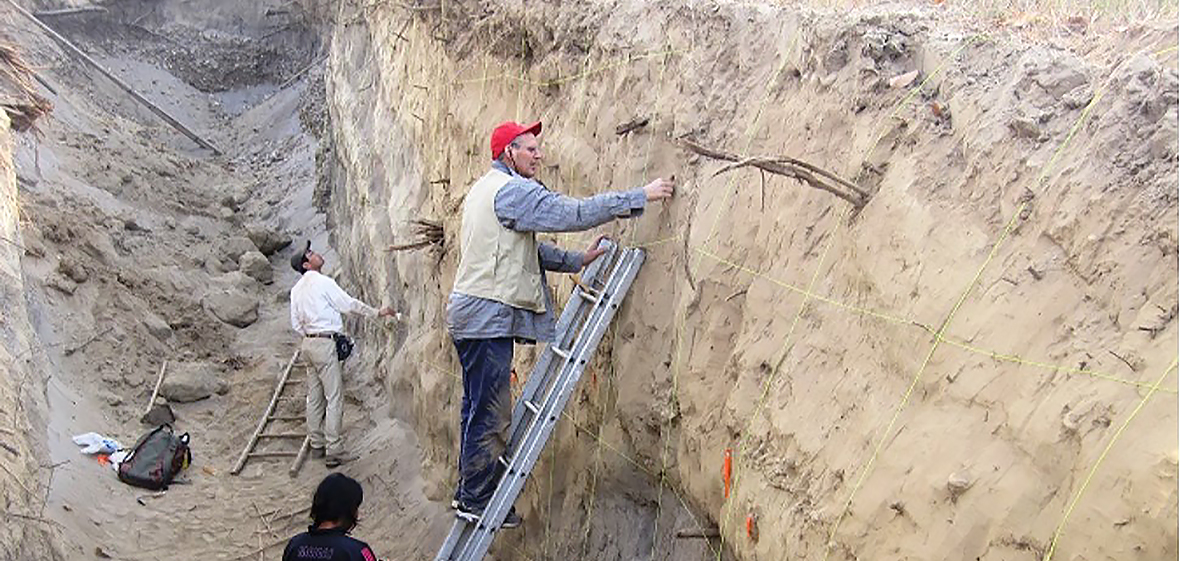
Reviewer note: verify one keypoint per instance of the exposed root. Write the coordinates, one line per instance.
(807, 173)
(632, 125)
(428, 232)
(18, 96)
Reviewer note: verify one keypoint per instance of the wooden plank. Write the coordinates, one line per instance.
(706, 533)
(270, 408)
(70, 11)
(156, 391)
(122, 85)
(273, 454)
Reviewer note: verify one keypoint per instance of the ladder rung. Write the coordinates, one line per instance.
(273, 454)
(586, 295)
(283, 435)
(503, 461)
(531, 407)
(559, 352)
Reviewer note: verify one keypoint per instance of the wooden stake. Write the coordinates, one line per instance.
(156, 391)
(706, 533)
(727, 470)
(70, 11)
(123, 85)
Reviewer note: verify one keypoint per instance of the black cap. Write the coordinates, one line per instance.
(300, 259)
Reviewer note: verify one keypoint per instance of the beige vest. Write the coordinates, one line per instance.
(497, 263)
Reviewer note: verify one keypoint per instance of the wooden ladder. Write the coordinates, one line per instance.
(271, 415)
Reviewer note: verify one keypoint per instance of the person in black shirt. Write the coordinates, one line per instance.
(334, 511)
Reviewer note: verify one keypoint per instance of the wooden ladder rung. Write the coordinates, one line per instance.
(273, 454)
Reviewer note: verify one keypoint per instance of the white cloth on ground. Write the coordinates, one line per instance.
(96, 443)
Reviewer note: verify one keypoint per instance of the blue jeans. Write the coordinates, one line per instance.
(485, 416)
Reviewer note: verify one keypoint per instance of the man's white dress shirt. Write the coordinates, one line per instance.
(317, 302)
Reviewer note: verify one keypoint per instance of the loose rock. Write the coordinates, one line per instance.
(160, 413)
(958, 483)
(903, 80)
(268, 241)
(157, 326)
(191, 381)
(235, 246)
(256, 266)
(61, 284)
(232, 307)
(73, 270)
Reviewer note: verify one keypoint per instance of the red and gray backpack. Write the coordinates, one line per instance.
(156, 459)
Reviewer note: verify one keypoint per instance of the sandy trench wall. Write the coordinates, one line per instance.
(966, 368)
(26, 533)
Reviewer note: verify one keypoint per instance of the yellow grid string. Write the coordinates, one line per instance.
(803, 291)
(807, 293)
(680, 318)
(885, 316)
(1101, 457)
(938, 339)
(737, 456)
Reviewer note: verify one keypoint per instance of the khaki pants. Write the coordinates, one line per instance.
(325, 395)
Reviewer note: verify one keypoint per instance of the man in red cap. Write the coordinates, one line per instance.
(500, 294)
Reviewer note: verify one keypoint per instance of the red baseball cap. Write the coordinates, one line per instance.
(506, 132)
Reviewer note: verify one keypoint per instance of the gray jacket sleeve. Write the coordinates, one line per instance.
(527, 206)
(556, 259)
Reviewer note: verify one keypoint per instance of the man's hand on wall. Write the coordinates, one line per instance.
(594, 252)
(660, 189)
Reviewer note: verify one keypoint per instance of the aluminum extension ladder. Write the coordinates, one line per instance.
(580, 328)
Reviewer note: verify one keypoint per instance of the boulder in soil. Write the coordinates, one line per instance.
(256, 266)
(157, 326)
(235, 246)
(231, 306)
(159, 414)
(191, 381)
(73, 270)
(268, 241)
(61, 284)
